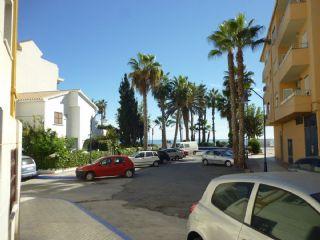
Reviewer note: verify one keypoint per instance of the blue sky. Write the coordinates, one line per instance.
(92, 41)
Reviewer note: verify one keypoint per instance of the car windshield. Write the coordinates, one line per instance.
(98, 160)
(316, 196)
(26, 161)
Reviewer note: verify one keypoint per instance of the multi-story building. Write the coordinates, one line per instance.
(10, 127)
(67, 112)
(292, 78)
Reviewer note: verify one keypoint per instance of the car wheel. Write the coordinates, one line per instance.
(228, 163)
(155, 164)
(205, 162)
(90, 176)
(176, 158)
(129, 173)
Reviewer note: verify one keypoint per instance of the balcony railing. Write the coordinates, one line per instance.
(283, 57)
(296, 92)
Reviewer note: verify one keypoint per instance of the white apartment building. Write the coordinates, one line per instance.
(10, 127)
(68, 112)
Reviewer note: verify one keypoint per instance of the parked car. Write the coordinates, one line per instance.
(117, 165)
(174, 153)
(189, 147)
(217, 157)
(28, 167)
(259, 206)
(163, 156)
(307, 164)
(145, 158)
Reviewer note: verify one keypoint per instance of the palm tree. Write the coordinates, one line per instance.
(222, 42)
(178, 100)
(161, 94)
(212, 102)
(243, 35)
(192, 106)
(102, 106)
(201, 105)
(146, 74)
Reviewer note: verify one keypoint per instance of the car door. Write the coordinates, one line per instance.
(149, 158)
(218, 159)
(210, 156)
(139, 159)
(279, 214)
(104, 168)
(227, 210)
(119, 165)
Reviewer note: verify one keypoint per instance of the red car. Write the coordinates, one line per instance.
(107, 166)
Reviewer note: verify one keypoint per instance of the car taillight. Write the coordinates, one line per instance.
(193, 207)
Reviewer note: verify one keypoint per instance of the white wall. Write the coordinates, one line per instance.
(34, 73)
(55, 105)
(30, 112)
(10, 138)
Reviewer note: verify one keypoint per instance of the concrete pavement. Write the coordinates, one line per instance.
(56, 219)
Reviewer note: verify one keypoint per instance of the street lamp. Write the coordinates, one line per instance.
(264, 132)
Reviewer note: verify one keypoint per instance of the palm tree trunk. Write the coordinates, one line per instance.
(213, 125)
(180, 129)
(199, 127)
(204, 122)
(192, 126)
(163, 128)
(233, 107)
(176, 130)
(145, 122)
(208, 138)
(185, 113)
(241, 107)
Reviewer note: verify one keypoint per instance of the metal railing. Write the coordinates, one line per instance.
(296, 92)
(283, 57)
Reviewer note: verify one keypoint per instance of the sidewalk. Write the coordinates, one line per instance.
(256, 164)
(55, 219)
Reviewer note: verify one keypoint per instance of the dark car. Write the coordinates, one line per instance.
(117, 165)
(163, 156)
(307, 164)
(174, 153)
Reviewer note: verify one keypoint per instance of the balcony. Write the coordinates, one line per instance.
(293, 63)
(293, 19)
(297, 103)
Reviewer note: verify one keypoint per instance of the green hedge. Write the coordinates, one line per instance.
(254, 146)
(76, 158)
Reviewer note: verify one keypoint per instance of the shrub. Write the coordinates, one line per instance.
(254, 146)
(221, 144)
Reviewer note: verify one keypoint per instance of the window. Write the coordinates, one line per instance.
(155, 154)
(27, 161)
(186, 145)
(232, 199)
(140, 155)
(217, 153)
(118, 160)
(106, 161)
(149, 154)
(58, 118)
(8, 18)
(285, 216)
(14, 180)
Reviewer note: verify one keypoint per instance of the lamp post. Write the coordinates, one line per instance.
(265, 166)
(90, 146)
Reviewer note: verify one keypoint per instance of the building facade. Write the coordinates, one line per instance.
(10, 127)
(67, 112)
(292, 78)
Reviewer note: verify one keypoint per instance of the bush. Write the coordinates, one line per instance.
(254, 146)
(221, 144)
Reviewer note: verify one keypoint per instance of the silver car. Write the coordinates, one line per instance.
(258, 206)
(28, 167)
(217, 157)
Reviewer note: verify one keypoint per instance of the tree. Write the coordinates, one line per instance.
(178, 101)
(102, 107)
(127, 116)
(222, 42)
(253, 121)
(212, 103)
(161, 94)
(146, 74)
(201, 105)
(243, 35)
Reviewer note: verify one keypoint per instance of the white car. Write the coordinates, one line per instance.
(145, 158)
(190, 147)
(259, 206)
(217, 157)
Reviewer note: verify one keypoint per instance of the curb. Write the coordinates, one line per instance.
(54, 171)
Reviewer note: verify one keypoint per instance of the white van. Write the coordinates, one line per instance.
(190, 147)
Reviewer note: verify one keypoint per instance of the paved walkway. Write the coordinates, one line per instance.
(55, 219)
(256, 164)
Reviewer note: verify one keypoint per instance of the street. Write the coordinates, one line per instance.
(152, 205)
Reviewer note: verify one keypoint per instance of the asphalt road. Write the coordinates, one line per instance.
(152, 205)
